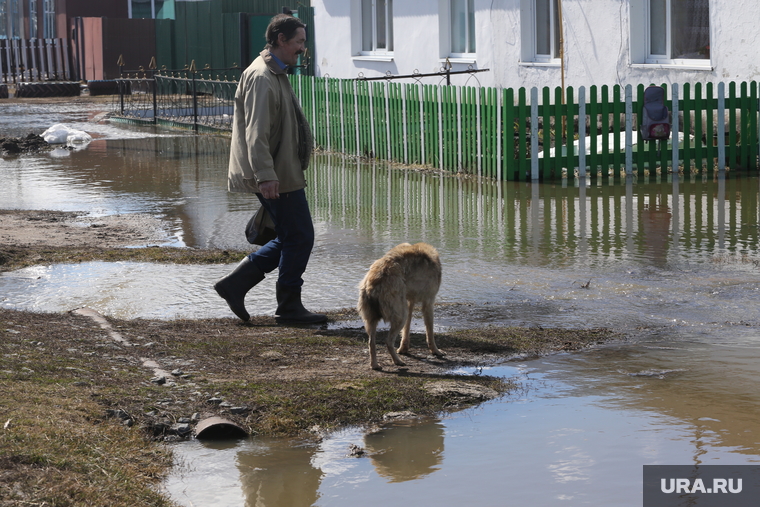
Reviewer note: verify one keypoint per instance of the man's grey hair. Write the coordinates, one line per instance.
(282, 24)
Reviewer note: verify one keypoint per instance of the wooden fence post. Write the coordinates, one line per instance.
(731, 108)
(628, 131)
(356, 119)
(497, 133)
(422, 122)
(582, 133)
(569, 108)
(534, 135)
(341, 91)
(458, 97)
(388, 139)
(405, 136)
(327, 113)
(674, 129)
(721, 126)
(522, 165)
(314, 104)
(478, 133)
(440, 127)
(698, 108)
(373, 154)
(508, 133)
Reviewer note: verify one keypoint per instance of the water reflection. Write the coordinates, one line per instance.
(657, 223)
(541, 224)
(655, 226)
(278, 475)
(268, 472)
(405, 452)
(180, 179)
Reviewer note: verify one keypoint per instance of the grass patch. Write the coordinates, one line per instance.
(533, 341)
(58, 446)
(58, 450)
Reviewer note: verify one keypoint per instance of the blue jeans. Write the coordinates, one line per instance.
(291, 249)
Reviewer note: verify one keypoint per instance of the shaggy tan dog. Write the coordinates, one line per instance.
(407, 274)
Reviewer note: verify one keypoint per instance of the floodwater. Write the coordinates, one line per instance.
(672, 262)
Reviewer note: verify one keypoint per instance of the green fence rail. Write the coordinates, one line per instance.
(533, 134)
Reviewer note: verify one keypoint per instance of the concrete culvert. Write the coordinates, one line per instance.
(217, 428)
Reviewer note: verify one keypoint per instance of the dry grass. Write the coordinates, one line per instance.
(57, 445)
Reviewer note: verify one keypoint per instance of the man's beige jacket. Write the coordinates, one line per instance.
(264, 130)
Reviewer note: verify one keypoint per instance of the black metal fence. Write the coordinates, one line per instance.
(199, 100)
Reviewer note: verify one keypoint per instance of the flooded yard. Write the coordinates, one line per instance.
(671, 262)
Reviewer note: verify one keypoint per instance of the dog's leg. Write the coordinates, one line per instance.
(390, 342)
(405, 336)
(427, 314)
(371, 328)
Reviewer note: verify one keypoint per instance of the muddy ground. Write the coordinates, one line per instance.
(15, 145)
(227, 350)
(60, 229)
(84, 403)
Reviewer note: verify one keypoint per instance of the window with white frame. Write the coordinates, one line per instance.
(377, 26)
(541, 30)
(48, 19)
(546, 23)
(462, 27)
(677, 30)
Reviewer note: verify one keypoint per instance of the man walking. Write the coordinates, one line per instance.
(270, 150)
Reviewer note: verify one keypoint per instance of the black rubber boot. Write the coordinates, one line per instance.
(233, 287)
(290, 310)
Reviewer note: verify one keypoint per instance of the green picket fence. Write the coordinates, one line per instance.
(532, 134)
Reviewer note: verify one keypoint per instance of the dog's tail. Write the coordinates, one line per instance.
(369, 306)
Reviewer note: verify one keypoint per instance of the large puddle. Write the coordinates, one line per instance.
(671, 261)
(577, 433)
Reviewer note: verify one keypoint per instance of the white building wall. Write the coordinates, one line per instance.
(604, 44)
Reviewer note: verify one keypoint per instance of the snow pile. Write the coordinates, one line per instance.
(61, 134)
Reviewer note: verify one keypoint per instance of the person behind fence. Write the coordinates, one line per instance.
(270, 150)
